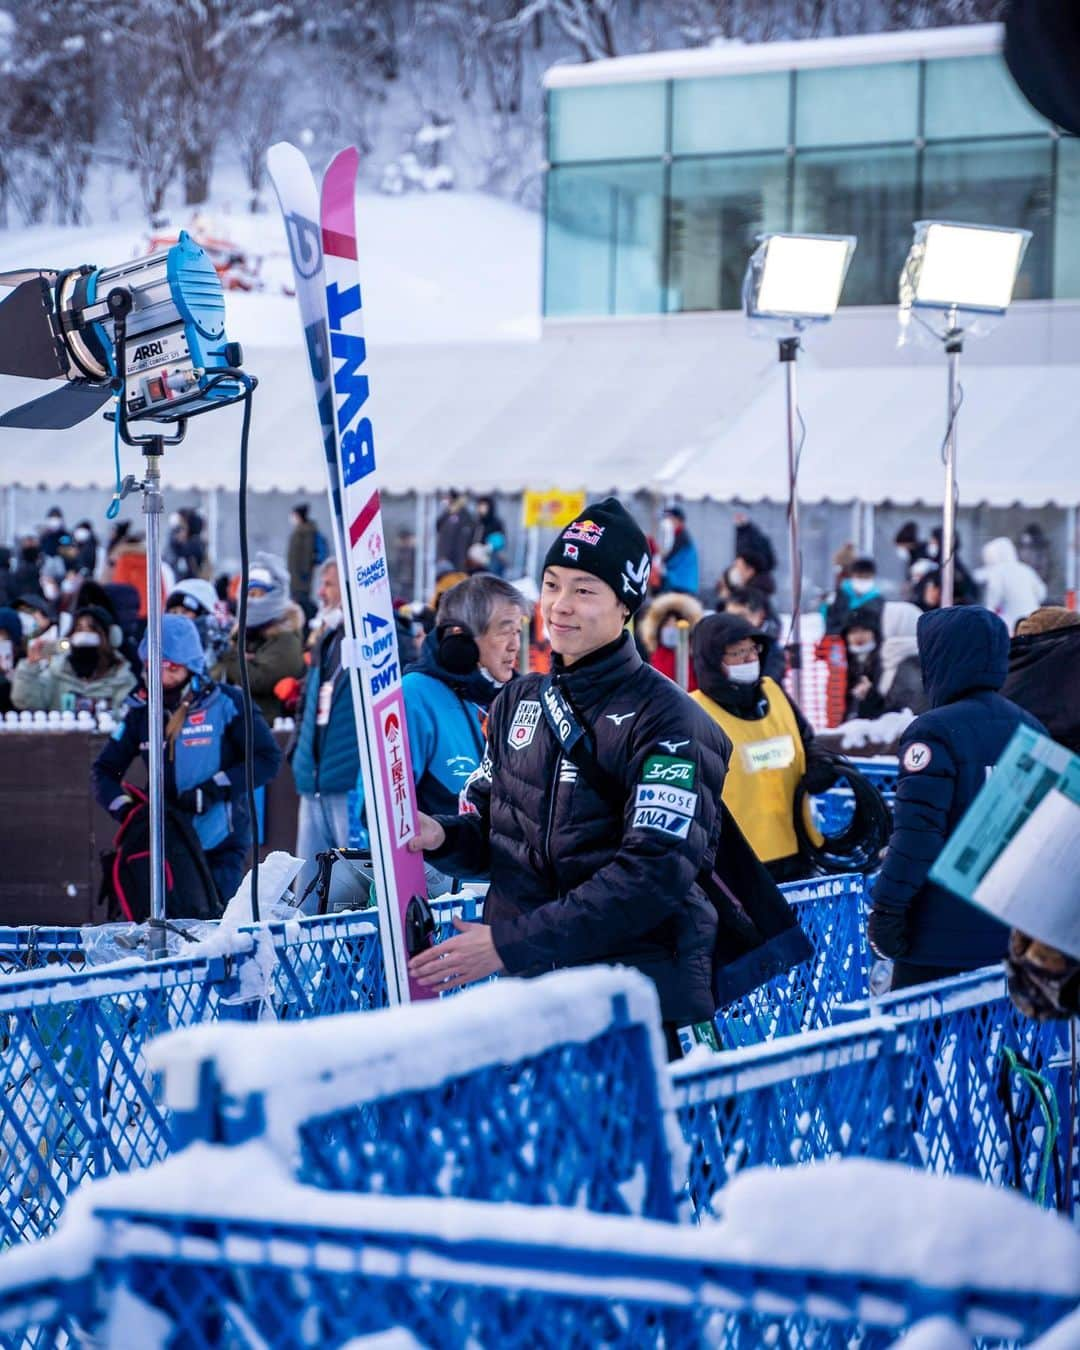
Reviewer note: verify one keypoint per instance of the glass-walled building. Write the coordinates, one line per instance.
(663, 169)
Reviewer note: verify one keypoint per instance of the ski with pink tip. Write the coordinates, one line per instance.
(323, 247)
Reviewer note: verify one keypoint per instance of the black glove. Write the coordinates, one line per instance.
(198, 800)
(820, 775)
(887, 931)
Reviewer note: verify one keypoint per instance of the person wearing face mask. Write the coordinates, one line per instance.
(751, 568)
(198, 600)
(658, 629)
(86, 548)
(12, 650)
(771, 739)
(862, 640)
(52, 533)
(465, 661)
(78, 675)
(204, 754)
(37, 617)
(900, 680)
(678, 553)
(858, 593)
(274, 648)
(965, 591)
(909, 547)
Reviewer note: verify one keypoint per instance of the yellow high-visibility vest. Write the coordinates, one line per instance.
(767, 762)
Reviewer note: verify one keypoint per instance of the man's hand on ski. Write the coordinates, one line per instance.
(459, 960)
(429, 835)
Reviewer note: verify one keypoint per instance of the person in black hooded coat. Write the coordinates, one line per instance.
(945, 755)
(1044, 671)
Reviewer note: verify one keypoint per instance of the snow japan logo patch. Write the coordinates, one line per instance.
(523, 728)
(916, 757)
(667, 769)
(570, 551)
(584, 532)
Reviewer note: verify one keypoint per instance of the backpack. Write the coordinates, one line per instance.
(190, 891)
(758, 934)
(321, 548)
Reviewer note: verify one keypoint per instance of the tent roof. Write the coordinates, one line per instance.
(685, 404)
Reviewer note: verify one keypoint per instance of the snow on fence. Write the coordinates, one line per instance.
(221, 1246)
(61, 1120)
(924, 1080)
(74, 1100)
(547, 1091)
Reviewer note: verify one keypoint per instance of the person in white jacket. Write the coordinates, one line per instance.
(1012, 588)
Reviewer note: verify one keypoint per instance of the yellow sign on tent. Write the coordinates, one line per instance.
(551, 510)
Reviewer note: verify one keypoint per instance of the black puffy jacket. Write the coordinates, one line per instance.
(573, 881)
(945, 755)
(1044, 678)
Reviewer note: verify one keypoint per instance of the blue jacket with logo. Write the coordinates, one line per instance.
(208, 750)
(945, 757)
(445, 715)
(325, 759)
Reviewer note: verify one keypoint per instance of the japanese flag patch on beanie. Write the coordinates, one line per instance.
(607, 542)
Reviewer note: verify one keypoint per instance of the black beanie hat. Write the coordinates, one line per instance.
(608, 543)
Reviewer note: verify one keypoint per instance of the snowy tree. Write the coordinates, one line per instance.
(151, 142)
(260, 125)
(589, 24)
(48, 108)
(215, 47)
(700, 22)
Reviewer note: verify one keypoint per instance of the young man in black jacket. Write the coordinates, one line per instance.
(597, 858)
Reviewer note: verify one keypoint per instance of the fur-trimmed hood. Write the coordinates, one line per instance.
(683, 606)
(292, 621)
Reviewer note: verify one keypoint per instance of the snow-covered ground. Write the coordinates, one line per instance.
(438, 267)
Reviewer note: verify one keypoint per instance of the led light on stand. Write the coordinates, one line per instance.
(793, 281)
(797, 276)
(968, 267)
(967, 273)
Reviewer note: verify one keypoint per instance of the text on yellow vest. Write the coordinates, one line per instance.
(767, 762)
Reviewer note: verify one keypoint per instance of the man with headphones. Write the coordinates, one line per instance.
(464, 662)
(468, 657)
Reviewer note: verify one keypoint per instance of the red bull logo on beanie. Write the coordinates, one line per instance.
(584, 532)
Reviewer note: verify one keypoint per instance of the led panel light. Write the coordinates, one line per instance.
(969, 267)
(798, 276)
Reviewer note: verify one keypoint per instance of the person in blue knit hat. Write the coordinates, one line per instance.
(204, 753)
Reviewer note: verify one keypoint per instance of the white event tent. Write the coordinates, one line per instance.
(688, 405)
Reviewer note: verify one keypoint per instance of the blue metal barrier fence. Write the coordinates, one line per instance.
(923, 1081)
